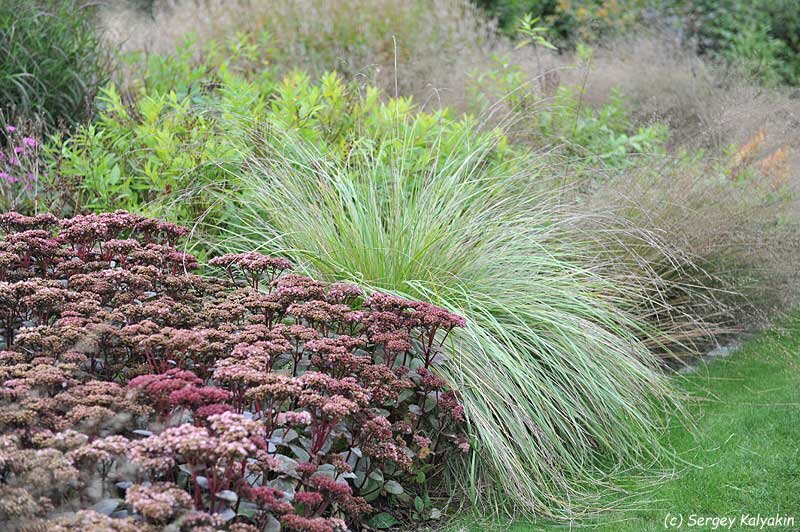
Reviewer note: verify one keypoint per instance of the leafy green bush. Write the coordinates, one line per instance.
(762, 36)
(188, 126)
(605, 135)
(51, 60)
(179, 130)
(136, 157)
(571, 20)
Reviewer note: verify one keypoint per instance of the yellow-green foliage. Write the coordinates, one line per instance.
(188, 126)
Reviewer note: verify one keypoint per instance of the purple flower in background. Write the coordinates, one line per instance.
(4, 176)
(11, 129)
(19, 149)
(29, 141)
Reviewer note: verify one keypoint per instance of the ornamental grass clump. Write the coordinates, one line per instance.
(559, 386)
(135, 393)
(52, 61)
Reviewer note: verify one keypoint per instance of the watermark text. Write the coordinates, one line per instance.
(729, 522)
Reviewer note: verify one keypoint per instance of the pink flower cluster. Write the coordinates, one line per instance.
(160, 397)
(18, 159)
(252, 265)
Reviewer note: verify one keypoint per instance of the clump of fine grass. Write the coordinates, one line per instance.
(559, 387)
(52, 61)
(737, 223)
(736, 458)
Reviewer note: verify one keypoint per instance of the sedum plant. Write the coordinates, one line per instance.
(135, 394)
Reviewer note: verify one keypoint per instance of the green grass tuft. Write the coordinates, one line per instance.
(560, 391)
(742, 457)
(52, 62)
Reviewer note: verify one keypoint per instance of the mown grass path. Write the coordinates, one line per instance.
(743, 456)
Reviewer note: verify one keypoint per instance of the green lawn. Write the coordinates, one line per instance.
(742, 457)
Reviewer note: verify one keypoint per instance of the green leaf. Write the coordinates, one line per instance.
(393, 487)
(106, 506)
(419, 505)
(273, 525)
(383, 520)
(114, 175)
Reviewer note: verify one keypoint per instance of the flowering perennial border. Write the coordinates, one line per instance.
(137, 395)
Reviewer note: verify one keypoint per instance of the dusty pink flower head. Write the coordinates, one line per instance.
(270, 498)
(231, 385)
(294, 418)
(309, 498)
(298, 523)
(157, 502)
(234, 435)
(340, 292)
(328, 485)
(196, 396)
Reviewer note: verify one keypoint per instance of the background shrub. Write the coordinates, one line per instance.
(570, 20)
(52, 61)
(758, 39)
(761, 38)
(557, 116)
(405, 48)
(735, 218)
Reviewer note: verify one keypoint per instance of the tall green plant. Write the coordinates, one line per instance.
(52, 62)
(589, 136)
(557, 384)
(761, 38)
